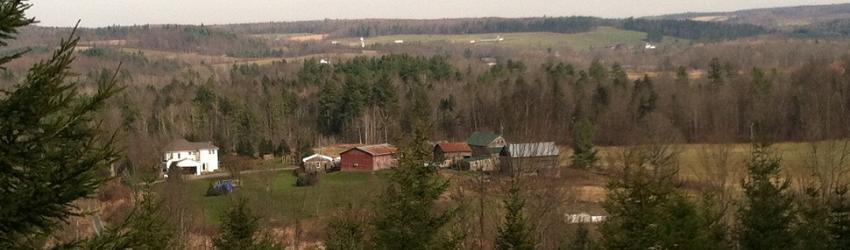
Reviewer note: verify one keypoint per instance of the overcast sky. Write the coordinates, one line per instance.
(96, 13)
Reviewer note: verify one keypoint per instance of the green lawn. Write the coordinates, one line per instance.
(274, 194)
(601, 37)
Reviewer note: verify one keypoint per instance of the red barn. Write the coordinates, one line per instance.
(452, 152)
(368, 158)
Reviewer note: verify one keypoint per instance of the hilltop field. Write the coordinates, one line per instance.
(585, 41)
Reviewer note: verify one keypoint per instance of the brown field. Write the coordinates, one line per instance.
(296, 37)
(711, 18)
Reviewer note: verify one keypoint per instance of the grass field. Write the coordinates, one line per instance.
(601, 37)
(695, 159)
(277, 196)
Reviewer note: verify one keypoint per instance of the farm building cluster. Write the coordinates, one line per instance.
(483, 151)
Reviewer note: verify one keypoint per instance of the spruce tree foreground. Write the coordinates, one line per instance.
(406, 216)
(52, 153)
(515, 233)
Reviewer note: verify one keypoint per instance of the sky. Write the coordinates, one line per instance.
(99, 13)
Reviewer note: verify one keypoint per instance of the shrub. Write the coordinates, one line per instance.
(114, 190)
(304, 179)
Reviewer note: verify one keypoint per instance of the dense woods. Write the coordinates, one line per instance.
(370, 100)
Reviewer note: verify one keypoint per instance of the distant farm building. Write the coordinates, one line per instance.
(489, 61)
(451, 152)
(492, 40)
(486, 144)
(398, 41)
(530, 158)
(193, 158)
(368, 158)
(481, 163)
(317, 163)
(649, 46)
(584, 218)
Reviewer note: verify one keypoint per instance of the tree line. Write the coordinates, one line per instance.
(694, 30)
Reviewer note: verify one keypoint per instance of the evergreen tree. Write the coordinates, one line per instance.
(145, 228)
(515, 233)
(600, 100)
(346, 231)
(240, 229)
(266, 147)
(406, 216)
(584, 155)
(51, 153)
(839, 219)
(581, 240)
(715, 71)
(646, 209)
(644, 99)
(767, 215)
(812, 230)
(682, 75)
(597, 71)
(330, 122)
(245, 148)
(620, 77)
(417, 110)
(761, 83)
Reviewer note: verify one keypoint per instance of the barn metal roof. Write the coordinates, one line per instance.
(184, 145)
(377, 149)
(537, 149)
(454, 147)
(482, 138)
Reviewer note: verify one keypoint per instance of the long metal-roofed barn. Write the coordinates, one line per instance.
(368, 158)
(530, 158)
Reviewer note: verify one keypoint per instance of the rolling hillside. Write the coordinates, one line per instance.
(782, 18)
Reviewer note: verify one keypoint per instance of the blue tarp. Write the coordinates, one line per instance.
(226, 185)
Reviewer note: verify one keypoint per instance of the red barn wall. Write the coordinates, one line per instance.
(356, 160)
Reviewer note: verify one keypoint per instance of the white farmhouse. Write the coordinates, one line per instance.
(191, 157)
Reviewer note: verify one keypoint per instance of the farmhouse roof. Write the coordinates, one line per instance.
(184, 145)
(454, 147)
(317, 157)
(482, 138)
(538, 149)
(376, 150)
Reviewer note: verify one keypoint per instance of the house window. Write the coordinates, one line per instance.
(190, 153)
(178, 155)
